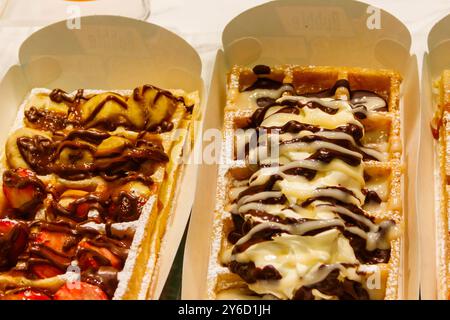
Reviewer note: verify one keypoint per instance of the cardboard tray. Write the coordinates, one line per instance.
(433, 266)
(110, 52)
(23, 13)
(323, 32)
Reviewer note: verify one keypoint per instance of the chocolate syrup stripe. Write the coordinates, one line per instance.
(58, 96)
(288, 106)
(263, 82)
(90, 135)
(332, 285)
(122, 103)
(333, 204)
(105, 278)
(74, 229)
(294, 126)
(48, 255)
(358, 244)
(326, 154)
(340, 142)
(138, 96)
(294, 106)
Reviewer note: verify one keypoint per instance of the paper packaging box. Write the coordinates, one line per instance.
(336, 33)
(110, 52)
(433, 226)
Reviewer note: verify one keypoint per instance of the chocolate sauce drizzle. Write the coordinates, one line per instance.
(44, 155)
(39, 259)
(54, 121)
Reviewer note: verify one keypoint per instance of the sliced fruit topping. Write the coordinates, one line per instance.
(126, 207)
(80, 291)
(44, 270)
(23, 190)
(162, 110)
(58, 241)
(77, 155)
(112, 146)
(76, 205)
(46, 256)
(159, 105)
(13, 241)
(25, 294)
(104, 277)
(94, 256)
(28, 147)
(110, 110)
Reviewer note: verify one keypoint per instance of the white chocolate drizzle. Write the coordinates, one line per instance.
(312, 206)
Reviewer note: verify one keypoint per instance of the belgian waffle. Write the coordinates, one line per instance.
(322, 218)
(441, 131)
(87, 178)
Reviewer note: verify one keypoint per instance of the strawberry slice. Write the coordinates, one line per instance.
(90, 256)
(57, 246)
(58, 241)
(44, 271)
(80, 291)
(23, 190)
(13, 241)
(126, 207)
(25, 294)
(6, 226)
(52, 261)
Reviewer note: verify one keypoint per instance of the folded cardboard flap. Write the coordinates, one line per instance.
(439, 47)
(324, 32)
(109, 52)
(23, 13)
(439, 33)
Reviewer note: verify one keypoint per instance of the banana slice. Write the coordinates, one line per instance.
(157, 104)
(13, 155)
(112, 146)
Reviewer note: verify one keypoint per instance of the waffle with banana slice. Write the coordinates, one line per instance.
(441, 131)
(310, 185)
(87, 178)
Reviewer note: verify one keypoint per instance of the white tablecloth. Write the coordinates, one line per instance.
(201, 22)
